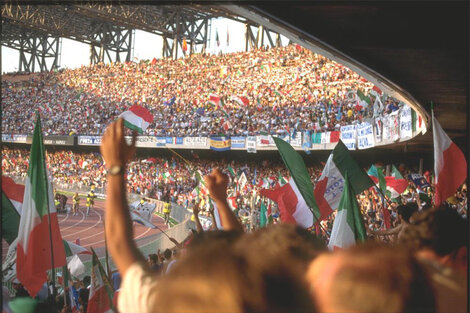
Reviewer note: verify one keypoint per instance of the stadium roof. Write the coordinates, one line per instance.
(420, 49)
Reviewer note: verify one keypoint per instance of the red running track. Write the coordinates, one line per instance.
(90, 229)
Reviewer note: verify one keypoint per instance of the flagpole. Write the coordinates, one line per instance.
(54, 291)
(106, 250)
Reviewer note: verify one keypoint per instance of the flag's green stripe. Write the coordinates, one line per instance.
(344, 162)
(413, 120)
(68, 251)
(37, 171)
(10, 220)
(354, 218)
(107, 284)
(133, 127)
(262, 216)
(396, 173)
(299, 172)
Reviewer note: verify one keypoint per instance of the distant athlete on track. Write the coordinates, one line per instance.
(76, 203)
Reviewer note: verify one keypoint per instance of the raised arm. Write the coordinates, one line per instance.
(217, 183)
(196, 218)
(119, 233)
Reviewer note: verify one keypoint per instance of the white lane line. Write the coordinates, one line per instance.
(63, 220)
(77, 223)
(93, 243)
(88, 227)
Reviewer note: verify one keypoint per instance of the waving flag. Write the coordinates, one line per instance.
(170, 102)
(348, 227)
(330, 185)
(33, 257)
(137, 118)
(12, 201)
(101, 290)
(241, 100)
(450, 166)
(396, 184)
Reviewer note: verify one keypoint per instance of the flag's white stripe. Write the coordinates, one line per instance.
(342, 235)
(29, 217)
(134, 119)
(18, 205)
(441, 143)
(302, 214)
(335, 185)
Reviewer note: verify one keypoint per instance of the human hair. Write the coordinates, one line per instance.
(153, 257)
(374, 277)
(407, 210)
(440, 229)
(217, 278)
(167, 254)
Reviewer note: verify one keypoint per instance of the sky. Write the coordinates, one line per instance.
(146, 46)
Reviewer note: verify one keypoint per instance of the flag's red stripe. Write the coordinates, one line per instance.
(142, 112)
(12, 190)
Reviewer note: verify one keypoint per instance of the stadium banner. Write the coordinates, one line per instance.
(251, 144)
(306, 140)
(238, 142)
(195, 141)
(160, 141)
(378, 124)
(170, 140)
(419, 180)
(179, 140)
(220, 143)
(143, 141)
(17, 138)
(325, 137)
(316, 138)
(391, 127)
(59, 140)
(406, 131)
(348, 136)
(297, 140)
(365, 136)
(265, 141)
(89, 140)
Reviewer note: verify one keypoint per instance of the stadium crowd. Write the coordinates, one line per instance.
(286, 88)
(172, 180)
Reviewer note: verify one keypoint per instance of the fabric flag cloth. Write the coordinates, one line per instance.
(184, 45)
(12, 201)
(76, 266)
(263, 215)
(214, 99)
(217, 41)
(378, 177)
(137, 118)
(242, 181)
(292, 206)
(241, 100)
(301, 206)
(362, 99)
(101, 290)
(73, 294)
(348, 227)
(450, 166)
(330, 185)
(33, 257)
(72, 249)
(396, 184)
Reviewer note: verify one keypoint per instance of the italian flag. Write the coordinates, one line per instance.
(295, 199)
(241, 100)
(378, 177)
(265, 217)
(348, 227)
(331, 182)
(101, 290)
(33, 256)
(450, 166)
(362, 99)
(72, 249)
(215, 100)
(12, 201)
(396, 183)
(137, 118)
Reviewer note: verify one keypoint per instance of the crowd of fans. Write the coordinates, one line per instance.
(172, 180)
(287, 88)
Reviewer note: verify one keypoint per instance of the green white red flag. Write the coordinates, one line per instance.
(12, 202)
(348, 227)
(137, 118)
(33, 257)
(330, 185)
(101, 290)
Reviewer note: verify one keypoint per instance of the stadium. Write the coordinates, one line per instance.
(230, 176)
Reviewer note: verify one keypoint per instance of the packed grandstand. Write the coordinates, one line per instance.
(241, 99)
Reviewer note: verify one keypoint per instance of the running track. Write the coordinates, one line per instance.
(90, 229)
